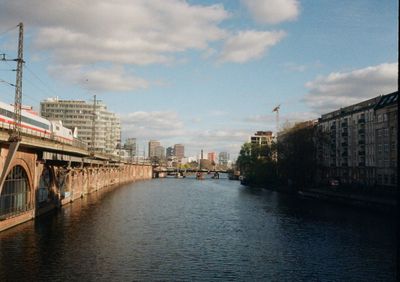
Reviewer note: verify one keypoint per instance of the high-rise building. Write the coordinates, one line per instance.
(223, 158)
(152, 147)
(88, 118)
(212, 157)
(179, 150)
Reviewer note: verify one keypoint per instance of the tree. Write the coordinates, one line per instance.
(257, 164)
(296, 156)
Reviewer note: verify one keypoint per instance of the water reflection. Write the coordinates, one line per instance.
(183, 229)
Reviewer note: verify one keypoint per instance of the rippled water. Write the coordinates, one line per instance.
(183, 229)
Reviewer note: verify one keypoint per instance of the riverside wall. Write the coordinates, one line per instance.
(52, 184)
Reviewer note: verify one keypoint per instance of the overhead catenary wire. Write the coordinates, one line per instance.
(6, 82)
(8, 30)
(47, 88)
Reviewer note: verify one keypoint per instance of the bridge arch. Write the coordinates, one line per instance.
(16, 193)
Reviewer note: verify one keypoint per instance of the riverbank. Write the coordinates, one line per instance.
(381, 204)
(377, 202)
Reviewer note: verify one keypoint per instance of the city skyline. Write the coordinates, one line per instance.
(206, 74)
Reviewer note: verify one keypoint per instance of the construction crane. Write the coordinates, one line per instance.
(276, 109)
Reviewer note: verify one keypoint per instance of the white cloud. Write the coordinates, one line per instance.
(228, 140)
(269, 121)
(294, 67)
(273, 11)
(249, 45)
(114, 79)
(153, 125)
(124, 31)
(341, 89)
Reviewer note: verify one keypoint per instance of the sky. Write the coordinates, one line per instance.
(206, 74)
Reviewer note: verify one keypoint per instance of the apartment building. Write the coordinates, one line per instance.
(89, 118)
(358, 145)
(262, 138)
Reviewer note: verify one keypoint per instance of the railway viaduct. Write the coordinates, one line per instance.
(38, 175)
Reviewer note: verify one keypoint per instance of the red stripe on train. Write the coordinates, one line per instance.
(34, 128)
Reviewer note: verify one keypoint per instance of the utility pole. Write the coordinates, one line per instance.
(94, 126)
(16, 135)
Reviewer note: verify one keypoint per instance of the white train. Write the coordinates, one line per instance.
(36, 125)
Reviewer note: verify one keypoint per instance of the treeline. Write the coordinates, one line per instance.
(288, 163)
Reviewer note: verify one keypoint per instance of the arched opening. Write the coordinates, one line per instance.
(15, 196)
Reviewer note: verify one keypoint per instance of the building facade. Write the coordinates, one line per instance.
(152, 147)
(91, 120)
(212, 157)
(358, 144)
(261, 138)
(179, 151)
(223, 158)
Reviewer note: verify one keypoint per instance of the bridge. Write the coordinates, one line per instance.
(39, 174)
(160, 171)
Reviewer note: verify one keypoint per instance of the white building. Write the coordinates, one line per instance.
(79, 114)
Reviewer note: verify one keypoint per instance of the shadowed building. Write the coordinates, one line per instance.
(358, 144)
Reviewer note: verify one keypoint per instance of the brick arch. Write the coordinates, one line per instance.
(28, 170)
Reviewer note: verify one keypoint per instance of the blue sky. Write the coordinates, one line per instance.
(203, 73)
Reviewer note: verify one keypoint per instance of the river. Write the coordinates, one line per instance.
(186, 229)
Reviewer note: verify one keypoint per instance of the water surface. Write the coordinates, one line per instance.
(184, 229)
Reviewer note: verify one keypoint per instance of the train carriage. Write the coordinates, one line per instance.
(35, 125)
(30, 123)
